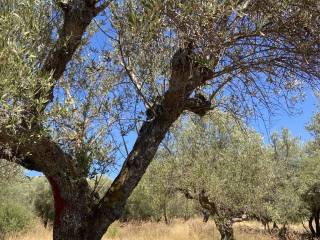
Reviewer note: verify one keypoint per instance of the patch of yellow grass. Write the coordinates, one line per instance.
(193, 229)
(38, 232)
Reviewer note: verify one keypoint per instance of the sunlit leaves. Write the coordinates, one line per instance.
(21, 49)
(225, 159)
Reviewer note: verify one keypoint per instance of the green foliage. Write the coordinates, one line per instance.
(238, 172)
(14, 217)
(139, 206)
(15, 214)
(21, 50)
(155, 198)
(284, 202)
(223, 158)
(310, 169)
(42, 199)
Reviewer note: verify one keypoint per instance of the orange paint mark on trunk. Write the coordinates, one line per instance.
(59, 202)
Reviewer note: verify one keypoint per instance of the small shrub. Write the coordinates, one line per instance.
(42, 201)
(13, 218)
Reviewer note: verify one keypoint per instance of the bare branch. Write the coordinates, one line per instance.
(78, 14)
(132, 76)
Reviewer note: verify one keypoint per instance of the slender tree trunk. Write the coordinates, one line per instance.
(316, 219)
(225, 229)
(206, 216)
(268, 227)
(313, 232)
(45, 223)
(165, 212)
(186, 211)
(283, 233)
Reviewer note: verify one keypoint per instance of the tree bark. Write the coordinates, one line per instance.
(225, 229)
(78, 214)
(283, 232)
(206, 216)
(184, 79)
(165, 214)
(313, 232)
(73, 204)
(317, 222)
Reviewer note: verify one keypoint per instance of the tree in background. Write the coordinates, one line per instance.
(309, 191)
(224, 166)
(65, 102)
(309, 177)
(283, 203)
(156, 197)
(42, 200)
(15, 214)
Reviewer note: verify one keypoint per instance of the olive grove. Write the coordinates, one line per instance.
(224, 167)
(68, 106)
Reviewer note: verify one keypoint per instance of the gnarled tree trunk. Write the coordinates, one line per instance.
(223, 225)
(317, 222)
(73, 213)
(315, 217)
(225, 229)
(78, 213)
(313, 232)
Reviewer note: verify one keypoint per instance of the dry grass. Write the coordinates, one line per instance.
(178, 230)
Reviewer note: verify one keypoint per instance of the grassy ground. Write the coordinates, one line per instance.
(178, 230)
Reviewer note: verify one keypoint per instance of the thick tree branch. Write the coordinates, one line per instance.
(207, 204)
(187, 193)
(186, 76)
(44, 154)
(78, 14)
(7, 155)
(40, 154)
(202, 198)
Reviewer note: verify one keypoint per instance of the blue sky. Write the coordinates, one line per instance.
(295, 123)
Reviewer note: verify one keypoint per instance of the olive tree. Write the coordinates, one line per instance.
(310, 191)
(224, 166)
(156, 196)
(283, 203)
(63, 99)
(42, 200)
(308, 177)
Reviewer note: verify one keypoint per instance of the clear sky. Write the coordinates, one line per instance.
(295, 123)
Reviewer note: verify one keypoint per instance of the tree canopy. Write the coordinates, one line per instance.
(68, 106)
